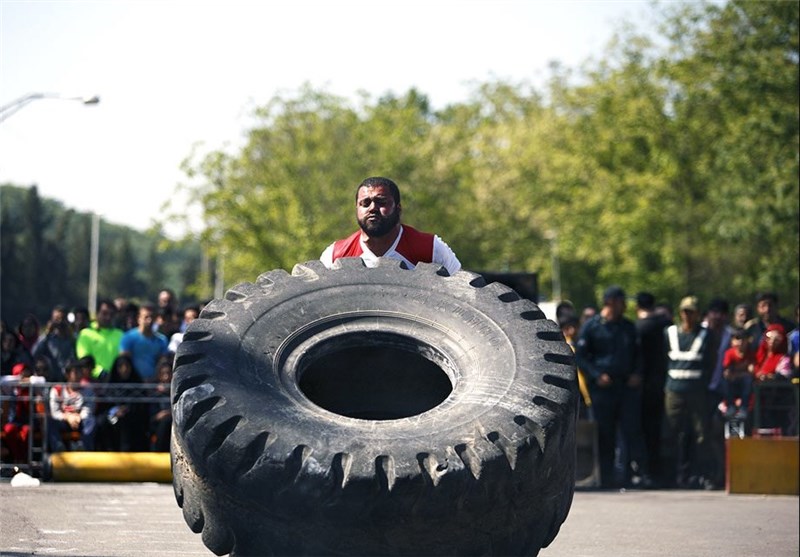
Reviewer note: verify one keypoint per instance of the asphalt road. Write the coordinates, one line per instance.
(135, 520)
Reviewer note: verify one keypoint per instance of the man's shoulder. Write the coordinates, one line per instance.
(131, 335)
(162, 338)
(590, 325)
(415, 233)
(344, 247)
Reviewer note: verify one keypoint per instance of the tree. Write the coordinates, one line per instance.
(667, 165)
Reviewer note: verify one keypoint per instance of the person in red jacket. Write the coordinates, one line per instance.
(381, 234)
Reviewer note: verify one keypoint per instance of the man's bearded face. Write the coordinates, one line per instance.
(376, 211)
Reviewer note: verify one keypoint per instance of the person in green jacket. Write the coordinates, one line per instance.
(100, 340)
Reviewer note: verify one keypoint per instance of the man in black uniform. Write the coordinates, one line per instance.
(608, 353)
(650, 327)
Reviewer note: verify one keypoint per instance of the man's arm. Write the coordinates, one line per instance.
(444, 256)
(327, 257)
(583, 352)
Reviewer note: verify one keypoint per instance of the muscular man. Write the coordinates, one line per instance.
(378, 213)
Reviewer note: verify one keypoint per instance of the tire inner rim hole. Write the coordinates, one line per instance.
(374, 382)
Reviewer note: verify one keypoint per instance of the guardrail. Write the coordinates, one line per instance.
(26, 422)
(776, 407)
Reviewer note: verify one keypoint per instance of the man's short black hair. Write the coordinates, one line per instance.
(719, 304)
(645, 300)
(771, 296)
(381, 181)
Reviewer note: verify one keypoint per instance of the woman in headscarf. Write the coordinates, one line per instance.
(773, 366)
(772, 359)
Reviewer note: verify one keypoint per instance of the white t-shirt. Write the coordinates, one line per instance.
(442, 255)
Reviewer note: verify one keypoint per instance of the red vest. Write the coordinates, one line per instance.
(414, 245)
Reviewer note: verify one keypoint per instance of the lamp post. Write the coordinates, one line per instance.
(14, 106)
(94, 258)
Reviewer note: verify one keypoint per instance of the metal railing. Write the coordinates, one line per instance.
(32, 399)
(776, 407)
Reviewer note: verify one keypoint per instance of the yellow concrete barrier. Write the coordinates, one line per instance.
(766, 465)
(77, 466)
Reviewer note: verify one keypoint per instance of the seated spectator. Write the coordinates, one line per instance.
(17, 427)
(44, 371)
(87, 367)
(71, 409)
(161, 412)
(121, 421)
(737, 377)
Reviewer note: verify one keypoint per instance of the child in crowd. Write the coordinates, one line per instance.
(737, 374)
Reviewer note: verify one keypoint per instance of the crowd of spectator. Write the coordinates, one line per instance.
(659, 387)
(99, 384)
(665, 391)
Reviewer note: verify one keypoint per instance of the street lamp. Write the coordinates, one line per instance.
(15, 105)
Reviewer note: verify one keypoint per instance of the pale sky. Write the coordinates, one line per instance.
(174, 74)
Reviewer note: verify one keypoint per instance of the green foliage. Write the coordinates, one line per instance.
(670, 165)
(45, 258)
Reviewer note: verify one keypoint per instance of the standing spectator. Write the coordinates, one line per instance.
(742, 313)
(665, 310)
(119, 318)
(57, 344)
(144, 345)
(650, 329)
(690, 361)
(80, 320)
(130, 317)
(586, 313)
(101, 339)
(167, 299)
(189, 314)
(569, 328)
(28, 332)
(719, 339)
(11, 353)
(71, 409)
(166, 313)
(607, 352)
(168, 322)
(767, 309)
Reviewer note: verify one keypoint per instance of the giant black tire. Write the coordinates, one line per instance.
(384, 411)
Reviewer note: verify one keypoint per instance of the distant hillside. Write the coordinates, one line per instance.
(45, 258)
